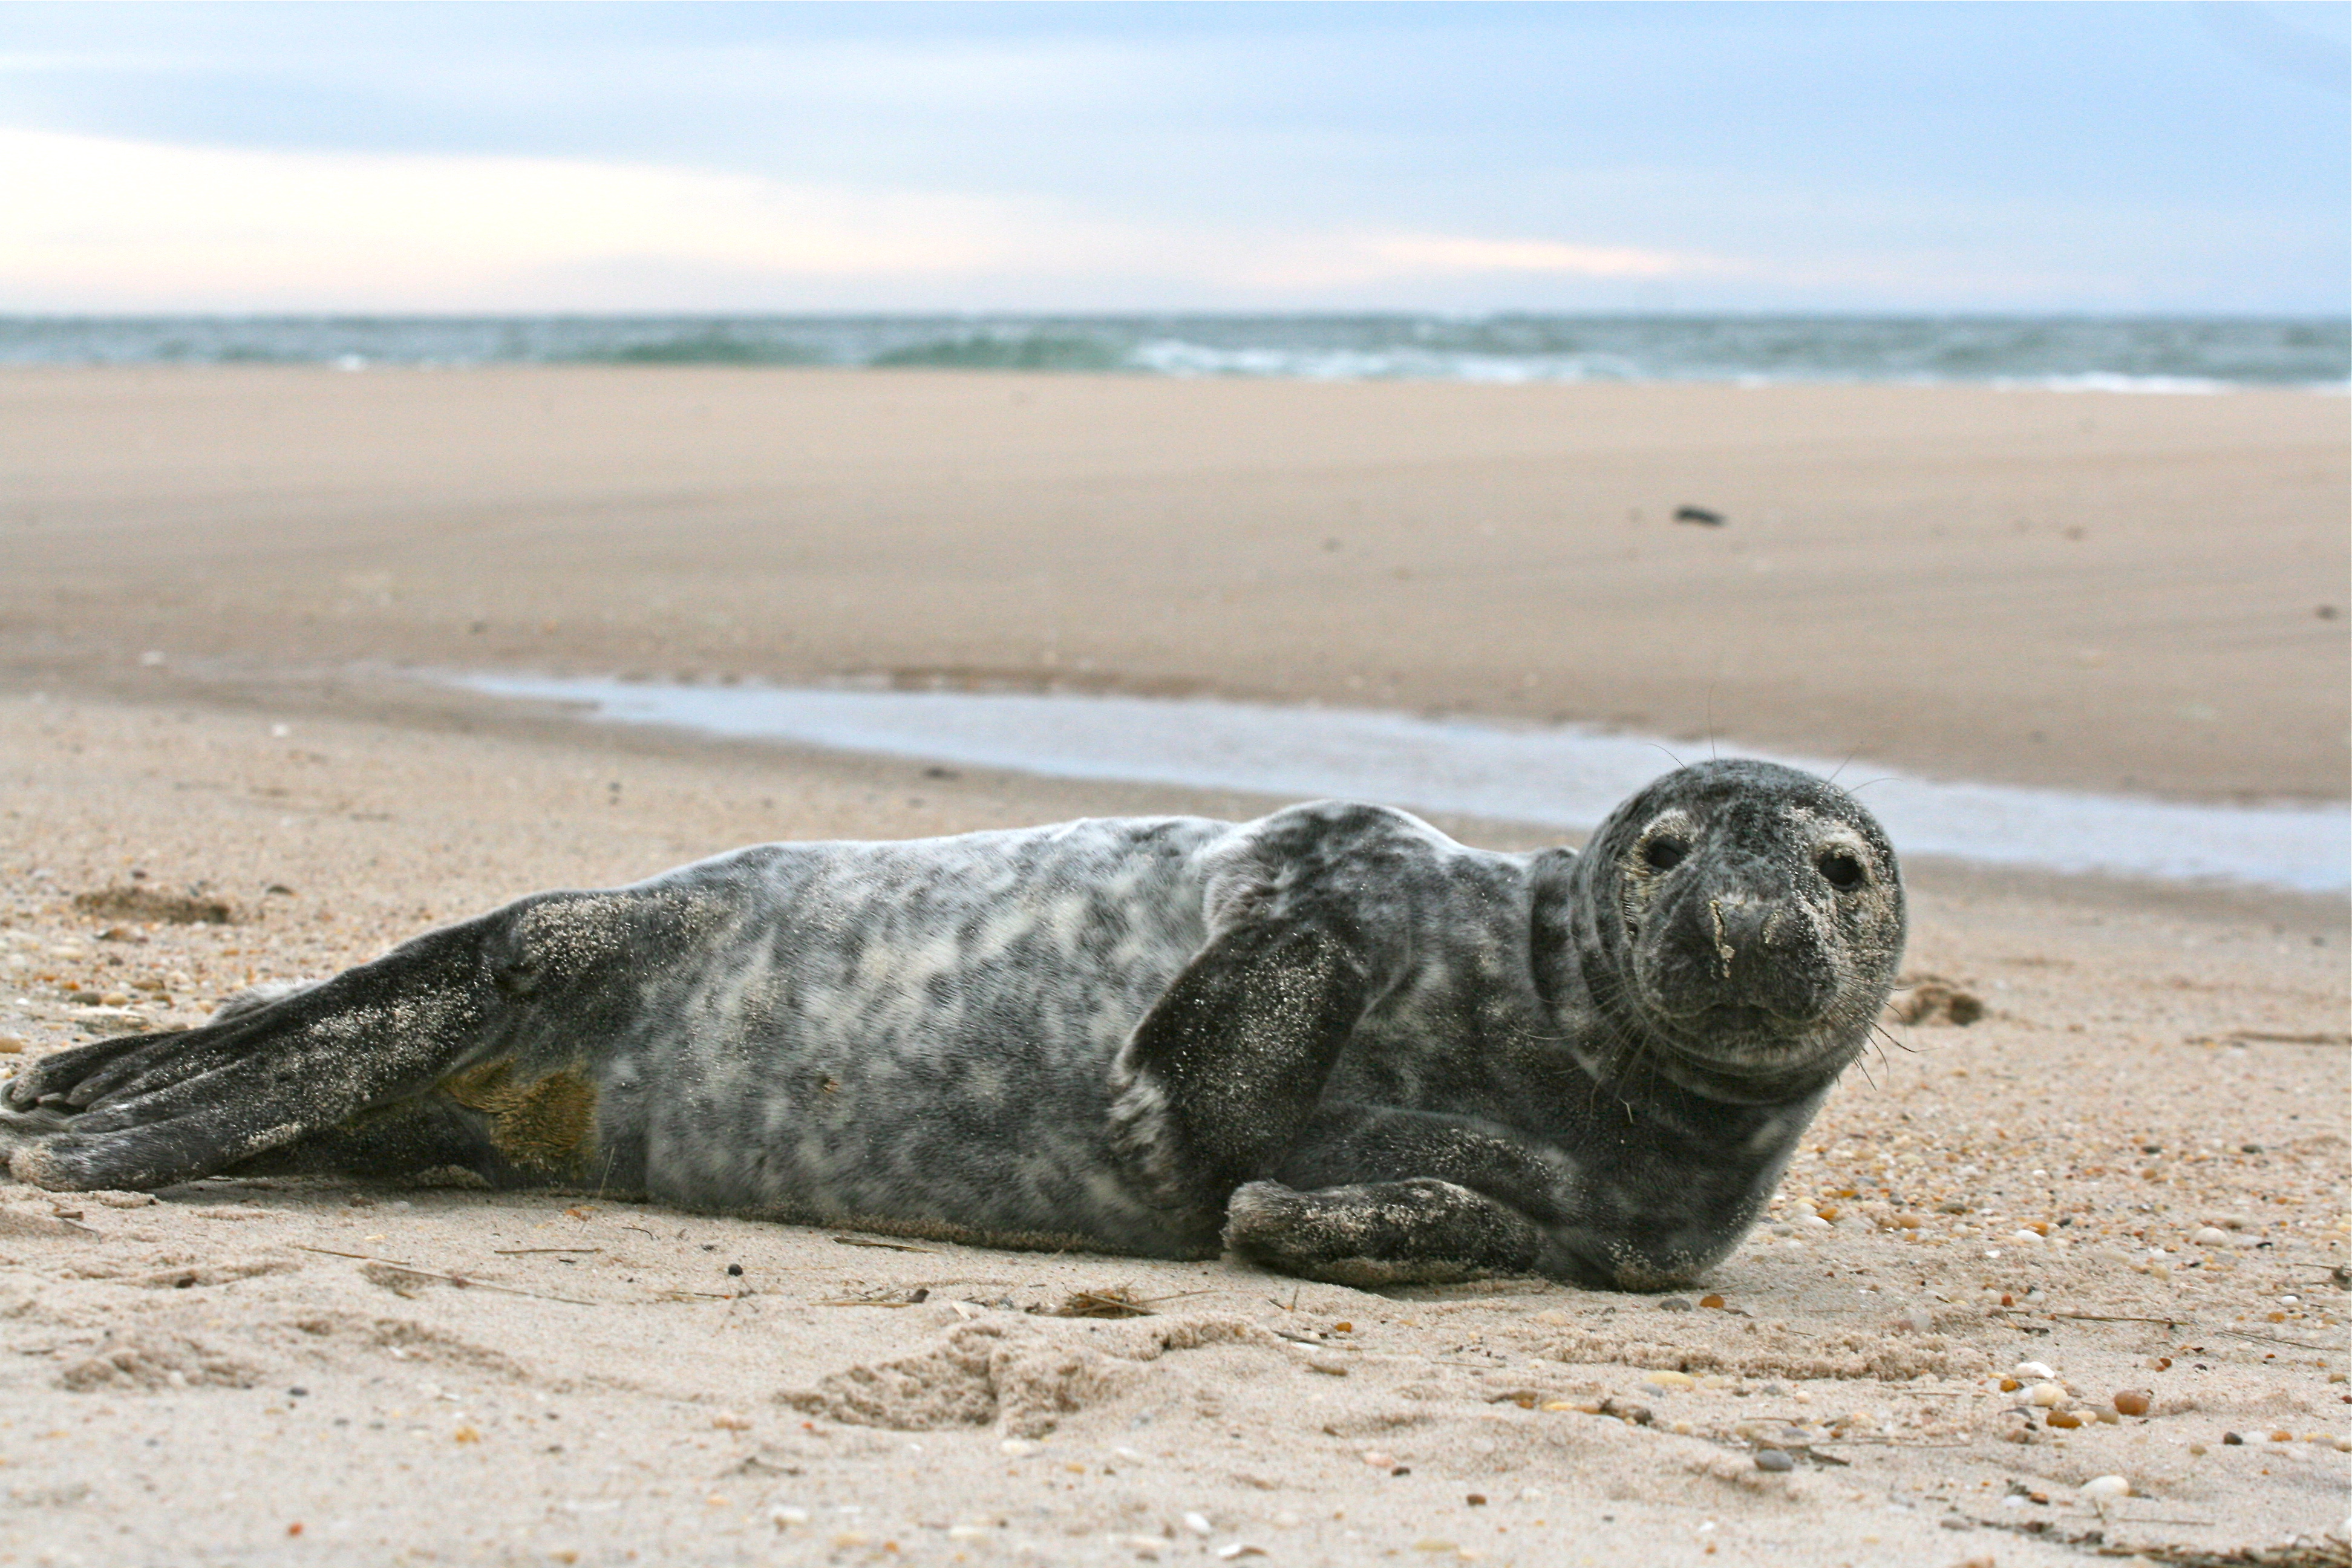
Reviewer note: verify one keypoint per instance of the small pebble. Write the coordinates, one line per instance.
(1197, 1523)
(1774, 1459)
(1677, 1304)
(2046, 1396)
(1669, 1379)
(1017, 1446)
(2206, 1236)
(735, 1271)
(2099, 1488)
(2231, 1440)
(2131, 1401)
(2032, 1369)
(1476, 1500)
(2066, 1420)
(1712, 1301)
(784, 1518)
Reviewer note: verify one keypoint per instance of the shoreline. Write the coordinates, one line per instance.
(2152, 353)
(2086, 383)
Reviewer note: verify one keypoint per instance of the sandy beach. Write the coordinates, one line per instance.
(2124, 1178)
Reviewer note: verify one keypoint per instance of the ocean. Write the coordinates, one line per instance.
(2146, 355)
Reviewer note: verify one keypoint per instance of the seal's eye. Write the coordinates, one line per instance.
(1841, 871)
(1664, 853)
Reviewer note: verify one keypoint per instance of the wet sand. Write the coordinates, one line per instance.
(2107, 592)
(2122, 1170)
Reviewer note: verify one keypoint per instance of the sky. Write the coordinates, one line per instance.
(1973, 156)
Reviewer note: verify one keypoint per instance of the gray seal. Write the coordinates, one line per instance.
(1332, 1040)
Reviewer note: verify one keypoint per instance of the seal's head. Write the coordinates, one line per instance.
(1745, 922)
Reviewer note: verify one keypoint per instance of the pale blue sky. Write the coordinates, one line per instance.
(1979, 156)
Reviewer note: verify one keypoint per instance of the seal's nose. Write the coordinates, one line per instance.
(1763, 955)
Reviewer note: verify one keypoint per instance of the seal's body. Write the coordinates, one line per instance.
(1332, 1038)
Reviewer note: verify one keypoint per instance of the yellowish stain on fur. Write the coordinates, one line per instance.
(546, 1124)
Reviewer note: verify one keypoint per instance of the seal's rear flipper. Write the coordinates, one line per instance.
(148, 1110)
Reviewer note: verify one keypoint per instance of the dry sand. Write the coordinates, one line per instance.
(2151, 1064)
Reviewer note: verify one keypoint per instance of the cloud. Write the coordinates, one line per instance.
(103, 224)
(93, 222)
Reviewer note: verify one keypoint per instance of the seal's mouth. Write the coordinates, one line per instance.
(1737, 1018)
(1734, 1036)
(1733, 1021)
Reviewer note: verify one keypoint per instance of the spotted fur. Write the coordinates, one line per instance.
(1331, 1039)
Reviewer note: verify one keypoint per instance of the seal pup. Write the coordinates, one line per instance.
(1331, 1040)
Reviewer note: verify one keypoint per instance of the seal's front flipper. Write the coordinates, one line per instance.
(1225, 1069)
(1417, 1231)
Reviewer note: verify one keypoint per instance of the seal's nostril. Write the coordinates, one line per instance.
(1841, 871)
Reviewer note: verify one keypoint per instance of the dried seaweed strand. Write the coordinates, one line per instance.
(527, 1251)
(2272, 1339)
(460, 1281)
(867, 1241)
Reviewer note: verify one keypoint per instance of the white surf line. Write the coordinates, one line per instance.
(1565, 777)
